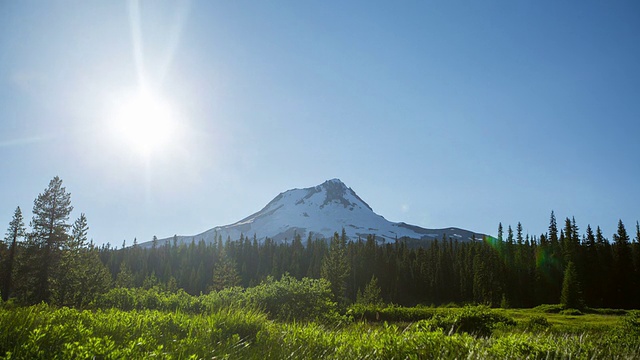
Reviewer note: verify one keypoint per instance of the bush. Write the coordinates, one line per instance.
(391, 313)
(475, 320)
(148, 299)
(631, 322)
(293, 299)
(549, 308)
(537, 322)
(605, 311)
(571, 312)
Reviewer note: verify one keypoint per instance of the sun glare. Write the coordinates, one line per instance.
(145, 121)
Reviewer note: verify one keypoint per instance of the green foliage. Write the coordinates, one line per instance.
(38, 332)
(549, 308)
(286, 299)
(335, 267)
(15, 232)
(476, 320)
(128, 299)
(571, 294)
(571, 312)
(537, 322)
(225, 274)
(372, 294)
(292, 299)
(631, 323)
(391, 313)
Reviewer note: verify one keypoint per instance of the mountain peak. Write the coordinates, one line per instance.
(338, 193)
(320, 211)
(334, 181)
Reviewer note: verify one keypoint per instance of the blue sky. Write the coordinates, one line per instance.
(436, 113)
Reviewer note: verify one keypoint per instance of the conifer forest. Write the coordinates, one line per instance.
(568, 291)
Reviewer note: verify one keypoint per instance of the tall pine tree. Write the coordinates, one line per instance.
(622, 269)
(335, 266)
(15, 232)
(49, 226)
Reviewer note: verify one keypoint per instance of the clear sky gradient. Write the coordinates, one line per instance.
(437, 113)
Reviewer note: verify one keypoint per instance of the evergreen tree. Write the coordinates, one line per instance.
(124, 279)
(519, 238)
(635, 253)
(553, 229)
(15, 232)
(592, 272)
(571, 295)
(372, 294)
(335, 267)
(49, 226)
(622, 269)
(225, 273)
(81, 276)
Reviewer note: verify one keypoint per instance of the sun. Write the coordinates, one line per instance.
(145, 121)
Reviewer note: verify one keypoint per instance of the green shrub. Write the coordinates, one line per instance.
(390, 313)
(605, 311)
(573, 312)
(631, 322)
(549, 308)
(292, 299)
(476, 320)
(284, 299)
(537, 322)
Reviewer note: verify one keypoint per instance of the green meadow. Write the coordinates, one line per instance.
(295, 319)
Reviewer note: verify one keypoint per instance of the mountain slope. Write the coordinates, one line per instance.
(321, 211)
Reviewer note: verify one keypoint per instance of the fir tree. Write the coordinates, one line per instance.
(335, 267)
(81, 276)
(49, 226)
(571, 295)
(124, 279)
(553, 229)
(622, 268)
(372, 294)
(225, 273)
(15, 232)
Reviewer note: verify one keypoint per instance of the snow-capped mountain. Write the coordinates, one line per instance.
(321, 211)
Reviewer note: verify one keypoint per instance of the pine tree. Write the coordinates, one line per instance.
(15, 232)
(49, 226)
(553, 229)
(592, 272)
(81, 276)
(571, 295)
(482, 292)
(124, 279)
(635, 253)
(372, 294)
(519, 238)
(225, 273)
(622, 268)
(335, 267)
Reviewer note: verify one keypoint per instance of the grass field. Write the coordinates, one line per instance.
(296, 319)
(43, 332)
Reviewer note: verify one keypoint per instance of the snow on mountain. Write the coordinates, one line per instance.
(321, 211)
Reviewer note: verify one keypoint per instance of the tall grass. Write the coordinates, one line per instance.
(43, 332)
(296, 319)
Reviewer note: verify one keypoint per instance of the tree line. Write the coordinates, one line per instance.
(514, 269)
(55, 263)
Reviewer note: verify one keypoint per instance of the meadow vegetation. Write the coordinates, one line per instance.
(61, 297)
(297, 319)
